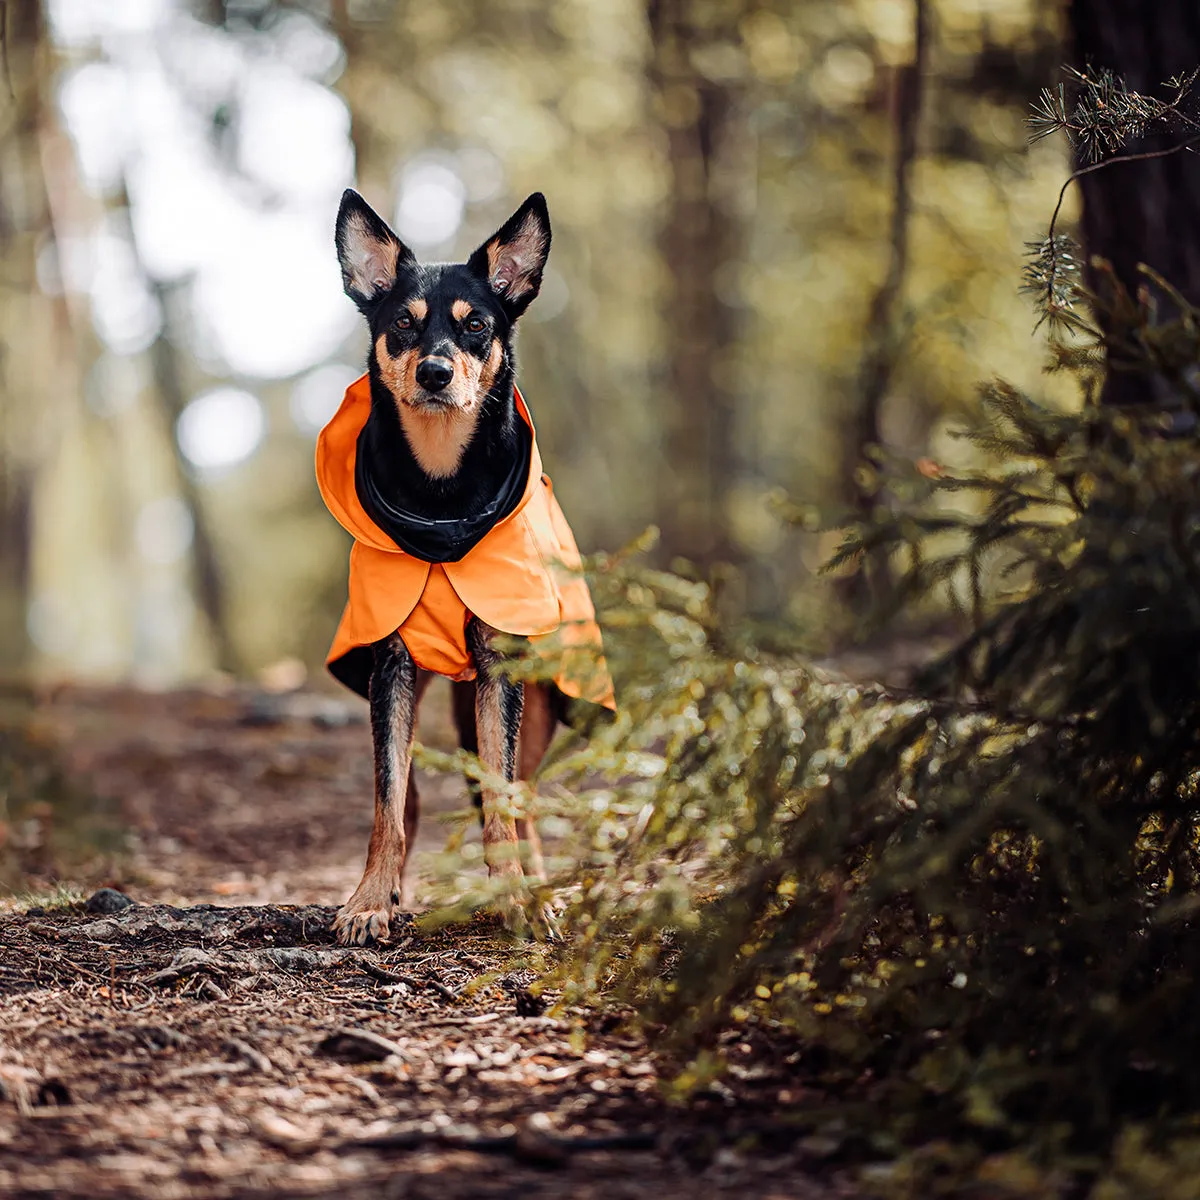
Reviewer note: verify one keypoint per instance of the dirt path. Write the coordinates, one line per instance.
(212, 1040)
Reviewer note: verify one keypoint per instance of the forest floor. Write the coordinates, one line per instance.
(213, 1041)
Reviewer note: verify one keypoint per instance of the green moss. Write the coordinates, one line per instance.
(58, 898)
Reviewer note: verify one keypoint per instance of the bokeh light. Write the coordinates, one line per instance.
(293, 135)
(125, 312)
(315, 397)
(220, 428)
(431, 202)
(271, 303)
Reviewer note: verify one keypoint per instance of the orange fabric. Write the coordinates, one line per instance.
(522, 578)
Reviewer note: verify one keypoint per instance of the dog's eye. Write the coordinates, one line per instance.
(475, 325)
(404, 321)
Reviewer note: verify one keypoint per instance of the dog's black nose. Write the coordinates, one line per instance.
(434, 373)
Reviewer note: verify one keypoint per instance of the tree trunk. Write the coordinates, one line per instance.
(1148, 211)
(884, 333)
(208, 576)
(23, 219)
(699, 236)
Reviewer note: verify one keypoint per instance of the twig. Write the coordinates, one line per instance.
(442, 990)
(369, 968)
(510, 1143)
(1108, 162)
(4, 65)
(430, 981)
(81, 969)
(480, 1019)
(1162, 112)
(357, 1045)
(250, 1054)
(208, 1068)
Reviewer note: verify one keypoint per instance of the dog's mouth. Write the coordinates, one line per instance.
(442, 401)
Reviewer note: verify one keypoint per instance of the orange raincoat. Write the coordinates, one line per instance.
(522, 578)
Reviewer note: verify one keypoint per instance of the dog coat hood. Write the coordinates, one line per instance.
(522, 577)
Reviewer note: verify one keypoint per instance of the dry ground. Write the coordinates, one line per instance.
(213, 1041)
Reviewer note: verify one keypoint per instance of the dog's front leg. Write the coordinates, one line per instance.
(393, 695)
(498, 706)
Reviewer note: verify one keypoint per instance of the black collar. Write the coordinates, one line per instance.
(441, 539)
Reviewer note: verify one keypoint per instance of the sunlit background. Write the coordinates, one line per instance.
(175, 331)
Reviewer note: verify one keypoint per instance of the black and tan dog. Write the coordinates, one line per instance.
(432, 464)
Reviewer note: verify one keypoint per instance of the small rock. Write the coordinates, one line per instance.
(529, 1005)
(263, 711)
(284, 1135)
(536, 1144)
(107, 900)
(357, 1045)
(209, 990)
(160, 1037)
(297, 958)
(53, 1092)
(188, 961)
(250, 1054)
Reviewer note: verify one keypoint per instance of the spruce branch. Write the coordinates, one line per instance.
(1105, 116)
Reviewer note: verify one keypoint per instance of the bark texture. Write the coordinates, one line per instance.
(699, 236)
(23, 219)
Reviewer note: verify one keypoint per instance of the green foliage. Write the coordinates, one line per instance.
(980, 893)
(60, 897)
(1105, 114)
(1102, 116)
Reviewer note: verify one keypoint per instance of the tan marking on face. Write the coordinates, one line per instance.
(419, 308)
(460, 309)
(473, 378)
(399, 373)
(438, 435)
(491, 368)
(467, 369)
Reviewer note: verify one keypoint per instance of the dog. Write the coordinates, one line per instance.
(432, 465)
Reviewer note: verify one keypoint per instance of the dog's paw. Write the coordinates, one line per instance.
(543, 925)
(527, 918)
(367, 915)
(358, 927)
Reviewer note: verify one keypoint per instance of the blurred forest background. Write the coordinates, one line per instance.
(783, 231)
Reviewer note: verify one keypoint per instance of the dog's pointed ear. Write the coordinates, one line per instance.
(513, 258)
(369, 252)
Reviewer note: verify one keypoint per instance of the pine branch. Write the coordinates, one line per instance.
(1105, 116)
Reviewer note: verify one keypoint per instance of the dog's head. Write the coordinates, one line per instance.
(441, 332)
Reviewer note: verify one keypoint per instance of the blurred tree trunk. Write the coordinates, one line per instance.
(700, 235)
(208, 576)
(883, 337)
(1144, 212)
(25, 317)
